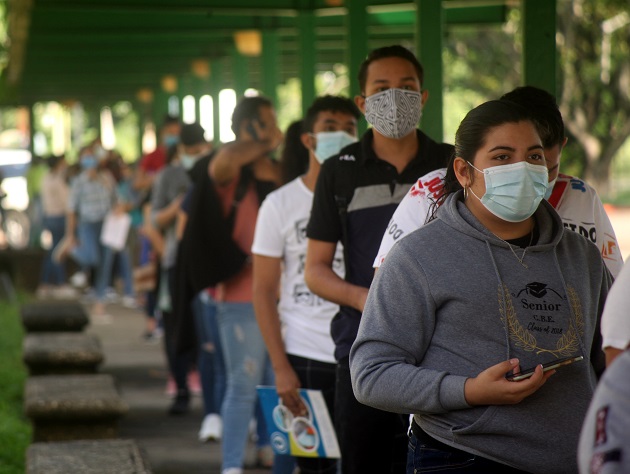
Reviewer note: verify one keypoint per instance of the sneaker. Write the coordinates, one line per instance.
(79, 280)
(211, 428)
(65, 292)
(264, 457)
(43, 292)
(232, 470)
(111, 296)
(180, 404)
(194, 382)
(171, 388)
(129, 302)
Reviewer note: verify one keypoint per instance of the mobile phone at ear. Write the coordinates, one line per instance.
(523, 374)
(251, 130)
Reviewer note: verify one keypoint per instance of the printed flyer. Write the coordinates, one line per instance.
(312, 435)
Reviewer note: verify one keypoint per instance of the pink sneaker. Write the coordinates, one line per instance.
(171, 388)
(194, 382)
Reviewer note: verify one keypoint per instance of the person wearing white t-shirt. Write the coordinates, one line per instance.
(296, 327)
(576, 202)
(616, 318)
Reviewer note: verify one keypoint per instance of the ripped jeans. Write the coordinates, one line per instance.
(246, 364)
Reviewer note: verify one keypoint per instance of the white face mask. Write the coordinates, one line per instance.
(394, 113)
(330, 143)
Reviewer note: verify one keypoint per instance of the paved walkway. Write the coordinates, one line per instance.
(140, 371)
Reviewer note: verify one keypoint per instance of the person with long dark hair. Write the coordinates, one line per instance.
(464, 306)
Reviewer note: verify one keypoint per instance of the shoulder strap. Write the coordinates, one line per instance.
(239, 194)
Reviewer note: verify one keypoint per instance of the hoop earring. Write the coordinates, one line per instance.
(465, 193)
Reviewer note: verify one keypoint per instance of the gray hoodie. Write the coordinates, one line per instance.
(452, 300)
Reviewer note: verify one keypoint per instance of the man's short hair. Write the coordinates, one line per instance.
(543, 109)
(393, 51)
(192, 134)
(329, 103)
(248, 108)
(170, 120)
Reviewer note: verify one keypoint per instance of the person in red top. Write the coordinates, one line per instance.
(153, 162)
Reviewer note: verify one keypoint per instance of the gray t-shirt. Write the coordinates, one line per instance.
(173, 181)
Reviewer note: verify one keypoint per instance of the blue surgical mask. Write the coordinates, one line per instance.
(171, 140)
(330, 143)
(513, 192)
(550, 188)
(188, 161)
(88, 162)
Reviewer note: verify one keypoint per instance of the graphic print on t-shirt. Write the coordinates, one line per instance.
(541, 320)
(300, 230)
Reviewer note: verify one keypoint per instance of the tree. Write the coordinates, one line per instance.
(595, 81)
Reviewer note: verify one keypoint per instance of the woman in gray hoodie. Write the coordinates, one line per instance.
(492, 286)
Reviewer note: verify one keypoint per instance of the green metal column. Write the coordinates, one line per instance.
(31, 129)
(240, 73)
(307, 39)
(270, 65)
(357, 48)
(539, 44)
(216, 84)
(429, 33)
(159, 108)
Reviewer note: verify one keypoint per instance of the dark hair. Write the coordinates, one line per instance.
(54, 160)
(248, 108)
(543, 109)
(169, 120)
(394, 51)
(192, 134)
(471, 136)
(295, 156)
(329, 103)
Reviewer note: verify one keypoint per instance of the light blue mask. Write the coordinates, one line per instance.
(88, 162)
(188, 161)
(330, 143)
(513, 192)
(171, 140)
(550, 188)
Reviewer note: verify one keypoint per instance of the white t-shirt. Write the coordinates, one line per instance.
(576, 202)
(616, 316)
(281, 233)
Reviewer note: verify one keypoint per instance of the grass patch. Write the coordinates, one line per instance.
(15, 429)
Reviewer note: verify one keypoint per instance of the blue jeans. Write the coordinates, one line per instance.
(210, 361)
(111, 256)
(426, 454)
(90, 253)
(246, 363)
(52, 272)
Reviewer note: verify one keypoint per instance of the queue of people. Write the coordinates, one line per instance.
(490, 266)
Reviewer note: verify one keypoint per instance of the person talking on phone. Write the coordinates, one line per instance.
(243, 172)
(489, 288)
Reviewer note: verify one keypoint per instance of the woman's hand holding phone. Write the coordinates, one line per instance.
(491, 387)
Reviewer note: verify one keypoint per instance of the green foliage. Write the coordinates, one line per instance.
(15, 430)
(595, 83)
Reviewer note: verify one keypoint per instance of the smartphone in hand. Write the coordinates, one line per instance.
(523, 374)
